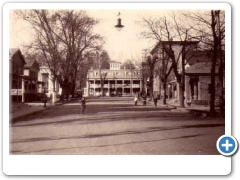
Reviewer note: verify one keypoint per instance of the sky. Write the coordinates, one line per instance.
(120, 45)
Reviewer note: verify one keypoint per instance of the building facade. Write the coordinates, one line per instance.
(197, 79)
(114, 81)
(31, 84)
(47, 87)
(17, 63)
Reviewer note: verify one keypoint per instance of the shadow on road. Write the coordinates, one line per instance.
(108, 145)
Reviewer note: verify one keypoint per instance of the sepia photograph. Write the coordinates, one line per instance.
(80, 87)
(116, 81)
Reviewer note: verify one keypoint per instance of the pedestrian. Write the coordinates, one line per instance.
(83, 103)
(155, 99)
(189, 102)
(136, 100)
(144, 100)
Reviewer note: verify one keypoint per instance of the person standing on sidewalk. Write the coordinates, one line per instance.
(83, 103)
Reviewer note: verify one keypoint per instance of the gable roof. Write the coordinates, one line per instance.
(13, 51)
(29, 62)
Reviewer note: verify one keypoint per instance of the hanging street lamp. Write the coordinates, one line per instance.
(119, 26)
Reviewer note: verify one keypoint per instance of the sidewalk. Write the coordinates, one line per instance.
(21, 110)
(198, 110)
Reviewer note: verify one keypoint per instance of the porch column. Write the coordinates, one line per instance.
(140, 85)
(199, 88)
(88, 88)
(94, 85)
(187, 90)
(122, 87)
(178, 89)
(23, 90)
(195, 90)
(109, 88)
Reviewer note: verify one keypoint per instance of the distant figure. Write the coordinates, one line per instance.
(136, 100)
(144, 100)
(83, 103)
(155, 99)
(189, 102)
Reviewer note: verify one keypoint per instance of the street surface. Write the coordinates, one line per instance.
(112, 126)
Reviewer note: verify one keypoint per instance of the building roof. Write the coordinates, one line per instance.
(29, 62)
(114, 62)
(116, 74)
(197, 56)
(172, 43)
(13, 51)
(200, 68)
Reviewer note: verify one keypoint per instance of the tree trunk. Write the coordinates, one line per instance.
(54, 87)
(151, 87)
(54, 90)
(214, 60)
(102, 88)
(164, 92)
(143, 87)
(221, 93)
(181, 94)
(221, 70)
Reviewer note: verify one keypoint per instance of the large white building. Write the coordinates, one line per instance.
(117, 81)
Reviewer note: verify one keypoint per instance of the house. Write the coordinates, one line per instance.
(48, 87)
(161, 50)
(117, 81)
(17, 63)
(31, 83)
(198, 78)
(197, 73)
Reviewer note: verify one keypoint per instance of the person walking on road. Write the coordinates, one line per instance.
(144, 100)
(136, 100)
(155, 99)
(83, 103)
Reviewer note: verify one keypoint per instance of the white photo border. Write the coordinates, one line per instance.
(111, 164)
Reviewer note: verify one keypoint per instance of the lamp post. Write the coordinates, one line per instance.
(119, 26)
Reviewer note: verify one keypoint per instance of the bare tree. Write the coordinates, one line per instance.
(209, 29)
(162, 71)
(102, 61)
(62, 37)
(164, 31)
(128, 64)
(150, 66)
